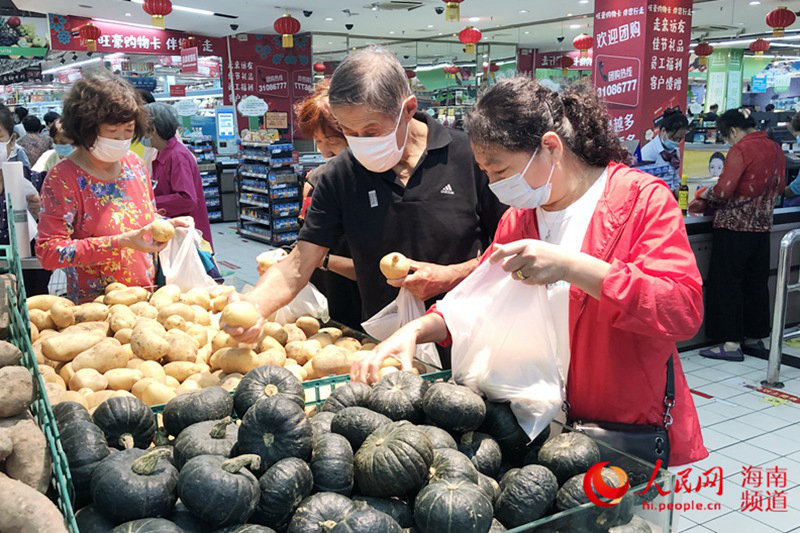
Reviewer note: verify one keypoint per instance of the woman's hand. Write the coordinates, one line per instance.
(401, 345)
(426, 280)
(267, 259)
(181, 222)
(697, 206)
(34, 205)
(243, 336)
(533, 262)
(141, 240)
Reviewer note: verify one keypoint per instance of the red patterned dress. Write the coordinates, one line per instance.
(82, 217)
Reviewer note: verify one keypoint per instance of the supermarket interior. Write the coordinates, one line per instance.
(425, 266)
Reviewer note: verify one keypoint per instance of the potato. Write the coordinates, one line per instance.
(43, 334)
(298, 371)
(128, 351)
(302, 351)
(128, 296)
(368, 346)
(162, 230)
(65, 346)
(122, 318)
(169, 291)
(187, 387)
(30, 460)
(157, 394)
(96, 398)
(272, 357)
(335, 333)
(115, 286)
(240, 314)
(180, 370)
(34, 333)
(66, 372)
(91, 312)
(99, 326)
(134, 362)
(88, 378)
(240, 360)
(308, 324)
(182, 310)
(144, 309)
(323, 338)
(16, 390)
(348, 343)
(140, 385)
(41, 319)
(175, 322)
(218, 303)
(45, 370)
(44, 302)
(103, 356)
(201, 316)
(124, 335)
(99, 299)
(204, 379)
(231, 381)
(276, 331)
(61, 314)
(331, 360)
(270, 343)
(172, 382)
(293, 333)
(54, 392)
(10, 355)
(122, 378)
(223, 340)
(203, 354)
(151, 369)
(74, 396)
(150, 323)
(54, 379)
(148, 344)
(198, 333)
(308, 368)
(182, 347)
(197, 296)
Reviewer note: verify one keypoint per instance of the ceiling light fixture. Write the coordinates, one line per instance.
(527, 32)
(183, 8)
(328, 19)
(755, 3)
(127, 14)
(474, 19)
(72, 65)
(583, 1)
(430, 26)
(523, 11)
(574, 26)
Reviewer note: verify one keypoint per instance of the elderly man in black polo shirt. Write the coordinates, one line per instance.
(406, 184)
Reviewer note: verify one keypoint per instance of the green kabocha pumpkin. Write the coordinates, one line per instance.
(213, 437)
(90, 520)
(483, 451)
(267, 381)
(283, 486)
(321, 423)
(357, 423)
(126, 422)
(221, 492)
(501, 424)
(394, 507)
(246, 528)
(186, 520)
(507, 476)
(65, 412)
(84, 445)
(367, 520)
(212, 403)
(393, 461)
(399, 396)
(451, 465)
(636, 525)
(332, 464)
(489, 486)
(275, 428)
(452, 507)
(569, 454)
(597, 519)
(320, 513)
(453, 407)
(526, 496)
(148, 525)
(351, 394)
(133, 484)
(439, 437)
(497, 527)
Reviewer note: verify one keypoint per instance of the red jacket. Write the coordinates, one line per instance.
(651, 298)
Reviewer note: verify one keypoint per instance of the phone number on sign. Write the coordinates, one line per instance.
(617, 88)
(272, 86)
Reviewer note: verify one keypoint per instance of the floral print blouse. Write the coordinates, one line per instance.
(82, 217)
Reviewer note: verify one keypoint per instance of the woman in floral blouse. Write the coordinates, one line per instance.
(98, 202)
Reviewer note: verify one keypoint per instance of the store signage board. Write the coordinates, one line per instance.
(252, 106)
(717, 86)
(119, 37)
(276, 120)
(551, 60)
(145, 83)
(22, 52)
(782, 82)
(177, 90)
(23, 37)
(186, 108)
(22, 75)
(618, 79)
(189, 60)
(759, 83)
(272, 82)
(733, 99)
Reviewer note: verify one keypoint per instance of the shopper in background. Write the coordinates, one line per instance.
(715, 164)
(98, 202)
(19, 115)
(406, 184)
(663, 149)
(62, 147)
(737, 296)
(712, 115)
(792, 192)
(769, 108)
(607, 241)
(178, 185)
(337, 281)
(50, 118)
(147, 153)
(34, 143)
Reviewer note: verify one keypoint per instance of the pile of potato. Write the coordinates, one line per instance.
(156, 346)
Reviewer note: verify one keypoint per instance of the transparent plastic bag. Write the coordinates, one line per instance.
(180, 262)
(309, 301)
(405, 308)
(504, 344)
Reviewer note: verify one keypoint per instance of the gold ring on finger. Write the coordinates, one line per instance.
(520, 276)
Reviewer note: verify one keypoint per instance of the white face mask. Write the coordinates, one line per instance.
(110, 150)
(516, 192)
(379, 154)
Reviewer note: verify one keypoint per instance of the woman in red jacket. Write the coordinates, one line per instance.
(609, 243)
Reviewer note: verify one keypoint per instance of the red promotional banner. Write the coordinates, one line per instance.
(271, 82)
(189, 60)
(619, 80)
(118, 37)
(177, 90)
(303, 84)
(551, 60)
(526, 61)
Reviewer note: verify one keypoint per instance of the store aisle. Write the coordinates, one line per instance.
(235, 255)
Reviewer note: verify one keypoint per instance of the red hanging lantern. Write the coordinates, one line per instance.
(702, 51)
(494, 67)
(319, 68)
(452, 10)
(410, 74)
(780, 19)
(157, 9)
(90, 33)
(470, 37)
(583, 42)
(287, 26)
(759, 46)
(565, 62)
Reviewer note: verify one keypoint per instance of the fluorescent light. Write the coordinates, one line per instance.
(430, 26)
(523, 10)
(127, 14)
(527, 32)
(391, 32)
(574, 26)
(328, 19)
(583, 1)
(734, 42)
(125, 23)
(476, 19)
(183, 8)
(755, 3)
(72, 65)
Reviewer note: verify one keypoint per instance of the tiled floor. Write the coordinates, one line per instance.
(741, 427)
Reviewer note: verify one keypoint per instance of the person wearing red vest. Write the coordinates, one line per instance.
(609, 243)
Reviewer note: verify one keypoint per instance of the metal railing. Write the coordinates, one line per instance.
(782, 290)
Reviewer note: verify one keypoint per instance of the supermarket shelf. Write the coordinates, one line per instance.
(255, 236)
(253, 174)
(257, 204)
(254, 189)
(255, 144)
(260, 158)
(254, 219)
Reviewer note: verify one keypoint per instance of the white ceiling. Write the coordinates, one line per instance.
(534, 23)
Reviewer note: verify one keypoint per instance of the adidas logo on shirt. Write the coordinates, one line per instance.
(447, 189)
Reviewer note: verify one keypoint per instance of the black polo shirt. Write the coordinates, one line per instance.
(445, 214)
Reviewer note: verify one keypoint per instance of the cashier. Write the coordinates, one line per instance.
(663, 149)
(406, 184)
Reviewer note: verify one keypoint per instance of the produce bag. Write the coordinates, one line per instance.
(405, 308)
(180, 263)
(309, 301)
(504, 344)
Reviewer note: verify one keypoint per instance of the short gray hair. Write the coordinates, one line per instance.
(165, 119)
(373, 78)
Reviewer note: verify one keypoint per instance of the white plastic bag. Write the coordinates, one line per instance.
(180, 261)
(504, 344)
(405, 308)
(308, 301)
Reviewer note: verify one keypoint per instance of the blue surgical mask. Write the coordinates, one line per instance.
(669, 145)
(63, 150)
(146, 142)
(797, 139)
(516, 192)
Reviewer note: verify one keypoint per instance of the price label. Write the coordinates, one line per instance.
(252, 106)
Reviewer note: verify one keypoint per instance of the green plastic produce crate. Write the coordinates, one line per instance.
(61, 482)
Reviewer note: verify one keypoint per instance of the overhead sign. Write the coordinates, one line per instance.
(252, 106)
(189, 60)
(177, 90)
(759, 83)
(22, 75)
(145, 83)
(23, 37)
(186, 108)
(617, 79)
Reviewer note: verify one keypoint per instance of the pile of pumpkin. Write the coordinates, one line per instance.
(160, 345)
(405, 454)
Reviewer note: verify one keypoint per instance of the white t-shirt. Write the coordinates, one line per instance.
(567, 228)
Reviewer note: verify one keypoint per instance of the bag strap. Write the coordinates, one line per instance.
(669, 393)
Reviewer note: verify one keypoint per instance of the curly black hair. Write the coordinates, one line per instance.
(735, 118)
(515, 113)
(101, 99)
